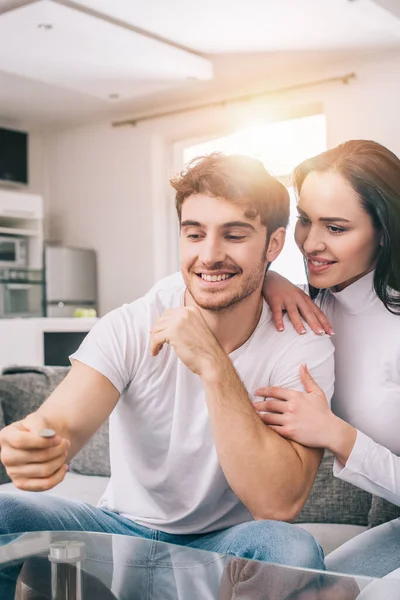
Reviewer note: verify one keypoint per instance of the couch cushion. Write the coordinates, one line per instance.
(23, 389)
(94, 458)
(332, 535)
(382, 511)
(74, 487)
(333, 500)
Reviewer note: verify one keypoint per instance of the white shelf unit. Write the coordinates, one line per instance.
(21, 214)
(25, 338)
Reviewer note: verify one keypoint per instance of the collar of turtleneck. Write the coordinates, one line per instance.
(358, 296)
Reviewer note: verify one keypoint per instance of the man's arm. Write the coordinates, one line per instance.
(270, 475)
(78, 407)
(101, 369)
(75, 410)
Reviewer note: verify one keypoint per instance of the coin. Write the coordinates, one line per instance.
(47, 433)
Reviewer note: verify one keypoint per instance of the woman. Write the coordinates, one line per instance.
(348, 230)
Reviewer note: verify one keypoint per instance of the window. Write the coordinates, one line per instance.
(280, 146)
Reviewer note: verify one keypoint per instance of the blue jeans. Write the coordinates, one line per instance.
(373, 553)
(270, 541)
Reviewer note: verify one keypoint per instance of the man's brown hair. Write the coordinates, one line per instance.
(239, 179)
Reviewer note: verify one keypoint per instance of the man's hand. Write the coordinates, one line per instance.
(34, 463)
(187, 332)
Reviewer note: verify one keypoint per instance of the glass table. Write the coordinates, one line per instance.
(96, 566)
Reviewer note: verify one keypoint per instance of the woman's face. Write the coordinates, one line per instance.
(334, 232)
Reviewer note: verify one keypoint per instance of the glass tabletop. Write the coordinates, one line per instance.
(97, 566)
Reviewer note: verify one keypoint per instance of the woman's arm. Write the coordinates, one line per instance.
(282, 295)
(306, 418)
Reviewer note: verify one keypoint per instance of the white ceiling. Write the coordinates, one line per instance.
(76, 51)
(104, 57)
(215, 26)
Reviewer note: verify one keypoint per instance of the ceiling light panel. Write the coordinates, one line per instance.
(67, 48)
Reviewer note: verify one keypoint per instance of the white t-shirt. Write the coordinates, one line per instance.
(367, 385)
(165, 472)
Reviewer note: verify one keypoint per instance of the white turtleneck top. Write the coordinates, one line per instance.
(367, 386)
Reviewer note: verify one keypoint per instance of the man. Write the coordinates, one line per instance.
(192, 463)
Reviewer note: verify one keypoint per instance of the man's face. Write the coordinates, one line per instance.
(223, 252)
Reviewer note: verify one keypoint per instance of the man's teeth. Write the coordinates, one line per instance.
(215, 277)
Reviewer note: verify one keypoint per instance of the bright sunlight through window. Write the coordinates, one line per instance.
(280, 147)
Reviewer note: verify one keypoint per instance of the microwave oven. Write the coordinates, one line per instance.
(13, 251)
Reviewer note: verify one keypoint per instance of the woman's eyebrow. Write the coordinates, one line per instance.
(328, 219)
(324, 219)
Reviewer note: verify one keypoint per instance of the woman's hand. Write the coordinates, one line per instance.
(282, 295)
(305, 417)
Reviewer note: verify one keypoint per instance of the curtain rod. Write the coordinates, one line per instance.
(233, 99)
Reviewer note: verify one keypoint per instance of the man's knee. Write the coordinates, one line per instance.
(20, 513)
(278, 542)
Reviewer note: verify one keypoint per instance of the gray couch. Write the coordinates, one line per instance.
(334, 512)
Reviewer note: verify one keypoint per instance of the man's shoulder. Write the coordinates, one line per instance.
(289, 339)
(309, 337)
(287, 350)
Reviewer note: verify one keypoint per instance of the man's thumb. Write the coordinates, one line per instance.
(307, 380)
(35, 423)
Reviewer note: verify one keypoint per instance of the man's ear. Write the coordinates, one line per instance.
(276, 243)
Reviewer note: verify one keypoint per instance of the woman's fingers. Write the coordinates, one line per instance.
(309, 384)
(273, 419)
(276, 392)
(314, 316)
(277, 315)
(299, 309)
(272, 406)
(292, 310)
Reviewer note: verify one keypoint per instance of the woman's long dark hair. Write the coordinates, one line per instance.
(373, 172)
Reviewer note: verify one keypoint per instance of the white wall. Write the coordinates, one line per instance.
(101, 198)
(109, 185)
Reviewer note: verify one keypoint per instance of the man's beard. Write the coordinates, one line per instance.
(210, 300)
